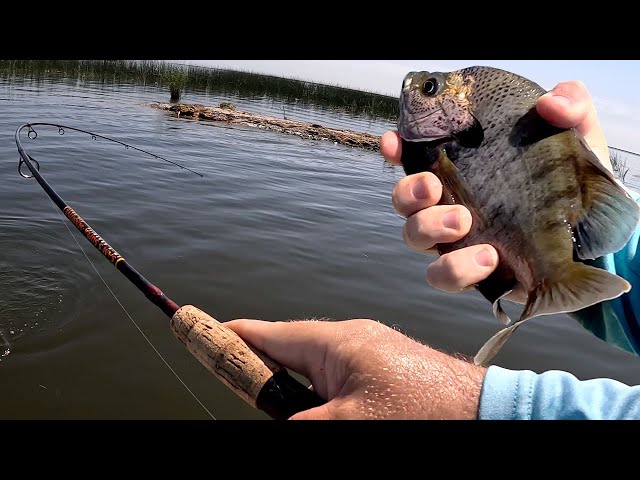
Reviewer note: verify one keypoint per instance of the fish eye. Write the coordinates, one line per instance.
(430, 86)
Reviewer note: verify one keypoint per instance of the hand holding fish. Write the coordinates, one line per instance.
(518, 202)
(416, 196)
(366, 370)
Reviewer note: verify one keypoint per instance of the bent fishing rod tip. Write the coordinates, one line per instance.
(32, 135)
(253, 376)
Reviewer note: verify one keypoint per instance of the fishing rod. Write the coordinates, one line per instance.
(253, 376)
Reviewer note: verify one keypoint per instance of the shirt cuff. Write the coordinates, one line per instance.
(506, 394)
(555, 395)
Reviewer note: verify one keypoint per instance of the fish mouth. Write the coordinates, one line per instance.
(431, 143)
(408, 131)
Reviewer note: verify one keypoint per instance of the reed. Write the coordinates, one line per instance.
(179, 79)
(619, 164)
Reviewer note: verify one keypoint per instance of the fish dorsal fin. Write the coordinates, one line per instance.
(610, 214)
(576, 287)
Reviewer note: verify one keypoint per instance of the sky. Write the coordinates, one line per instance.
(612, 83)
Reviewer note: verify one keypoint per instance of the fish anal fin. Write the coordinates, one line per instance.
(491, 348)
(578, 287)
(497, 286)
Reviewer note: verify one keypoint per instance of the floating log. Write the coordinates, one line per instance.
(227, 113)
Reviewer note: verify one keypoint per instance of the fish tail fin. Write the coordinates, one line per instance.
(579, 286)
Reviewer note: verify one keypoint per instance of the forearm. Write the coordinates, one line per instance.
(413, 381)
(555, 395)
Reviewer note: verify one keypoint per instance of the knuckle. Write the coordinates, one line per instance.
(417, 233)
(448, 273)
(399, 197)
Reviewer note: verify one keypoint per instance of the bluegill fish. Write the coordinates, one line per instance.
(537, 193)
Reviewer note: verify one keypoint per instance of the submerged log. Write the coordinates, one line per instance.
(227, 113)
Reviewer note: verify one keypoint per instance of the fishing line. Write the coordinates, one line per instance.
(32, 134)
(254, 377)
(130, 317)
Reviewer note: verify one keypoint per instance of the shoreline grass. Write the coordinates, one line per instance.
(181, 78)
(619, 165)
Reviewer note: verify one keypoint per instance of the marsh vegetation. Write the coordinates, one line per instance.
(179, 79)
(619, 164)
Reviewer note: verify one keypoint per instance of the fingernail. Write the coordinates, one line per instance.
(451, 220)
(420, 190)
(484, 258)
(559, 98)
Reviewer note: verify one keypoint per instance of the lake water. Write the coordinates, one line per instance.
(278, 228)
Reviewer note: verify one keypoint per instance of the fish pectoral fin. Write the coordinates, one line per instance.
(610, 214)
(494, 345)
(453, 182)
(580, 286)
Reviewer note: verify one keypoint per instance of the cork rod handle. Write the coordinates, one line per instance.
(254, 377)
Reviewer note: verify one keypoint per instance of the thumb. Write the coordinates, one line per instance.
(570, 105)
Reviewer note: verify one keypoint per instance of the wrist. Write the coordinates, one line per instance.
(470, 378)
(458, 386)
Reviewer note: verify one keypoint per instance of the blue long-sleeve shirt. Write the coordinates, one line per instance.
(556, 395)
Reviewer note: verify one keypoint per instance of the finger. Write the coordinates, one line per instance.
(391, 147)
(460, 269)
(416, 192)
(570, 105)
(316, 413)
(298, 345)
(438, 224)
